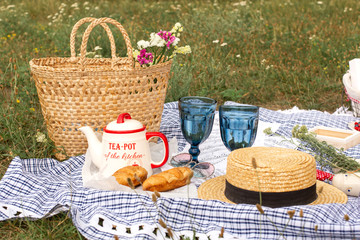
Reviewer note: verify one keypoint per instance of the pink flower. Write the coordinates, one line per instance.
(168, 37)
(145, 57)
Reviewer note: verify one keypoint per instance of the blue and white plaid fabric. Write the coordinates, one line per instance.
(37, 188)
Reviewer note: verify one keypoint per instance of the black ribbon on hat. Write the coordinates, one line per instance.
(271, 199)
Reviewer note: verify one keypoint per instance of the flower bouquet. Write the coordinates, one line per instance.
(161, 47)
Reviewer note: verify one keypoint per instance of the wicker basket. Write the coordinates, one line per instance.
(79, 91)
(352, 94)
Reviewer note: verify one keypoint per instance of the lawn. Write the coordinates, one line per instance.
(275, 54)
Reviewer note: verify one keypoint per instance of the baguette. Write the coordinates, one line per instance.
(124, 173)
(168, 180)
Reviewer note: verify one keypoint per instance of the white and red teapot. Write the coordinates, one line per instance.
(124, 143)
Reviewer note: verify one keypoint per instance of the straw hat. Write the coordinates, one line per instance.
(285, 177)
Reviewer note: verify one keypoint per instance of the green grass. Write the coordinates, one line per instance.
(56, 227)
(278, 54)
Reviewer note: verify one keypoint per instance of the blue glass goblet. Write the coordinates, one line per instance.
(197, 118)
(238, 125)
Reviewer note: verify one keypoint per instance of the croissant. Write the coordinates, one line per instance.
(124, 173)
(168, 180)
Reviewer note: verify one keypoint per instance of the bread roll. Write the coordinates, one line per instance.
(168, 180)
(123, 174)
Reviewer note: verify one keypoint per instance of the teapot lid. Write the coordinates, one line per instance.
(124, 124)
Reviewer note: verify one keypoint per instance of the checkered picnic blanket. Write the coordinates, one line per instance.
(37, 188)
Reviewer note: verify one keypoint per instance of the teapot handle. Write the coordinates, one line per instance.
(166, 144)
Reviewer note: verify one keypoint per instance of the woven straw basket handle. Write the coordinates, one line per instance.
(85, 38)
(76, 28)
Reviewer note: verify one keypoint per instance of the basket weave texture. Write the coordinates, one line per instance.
(79, 91)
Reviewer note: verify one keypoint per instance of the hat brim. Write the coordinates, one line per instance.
(214, 188)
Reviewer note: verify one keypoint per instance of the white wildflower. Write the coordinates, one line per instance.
(75, 5)
(156, 40)
(183, 50)
(136, 53)
(90, 54)
(10, 6)
(97, 48)
(96, 8)
(268, 67)
(143, 44)
(177, 28)
(87, 8)
(40, 137)
(176, 41)
(238, 56)
(223, 44)
(97, 56)
(263, 61)
(241, 3)
(85, 3)
(347, 9)
(319, 2)
(216, 41)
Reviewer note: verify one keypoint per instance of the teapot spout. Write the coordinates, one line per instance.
(95, 146)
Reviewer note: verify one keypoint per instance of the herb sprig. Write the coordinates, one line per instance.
(325, 154)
